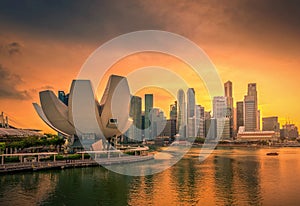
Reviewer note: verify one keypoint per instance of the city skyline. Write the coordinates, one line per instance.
(247, 42)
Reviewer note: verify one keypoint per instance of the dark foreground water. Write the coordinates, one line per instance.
(229, 176)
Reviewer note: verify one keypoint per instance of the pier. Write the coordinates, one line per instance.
(62, 164)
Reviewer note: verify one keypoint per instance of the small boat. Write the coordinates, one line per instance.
(272, 153)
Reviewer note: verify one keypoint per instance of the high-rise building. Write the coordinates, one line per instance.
(219, 107)
(181, 114)
(158, 122)
(250, 109)
(148, 118)
(270, 124)
(173, 111)
(191, 104)
(228, 94)
(229, 99)
(220, 114)
(211, 128)
(170, 128)
(200, 121)
(136, 115)
(239, 115)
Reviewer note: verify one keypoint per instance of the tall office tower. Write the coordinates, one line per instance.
(181, 114)
(200, 122)
(136, 114)
(63, 97)
(219, 113)
(158, 122)
(250, 109)
(239, 115)
(219, 107)
(228, 94)
(173, 111)
(270, 124)
(229, 98)
(258, 120)
(148, 108)
(207, 121)
(191, 103)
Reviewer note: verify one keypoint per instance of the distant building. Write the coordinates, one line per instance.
(289, 131)
(181, 114)
(220, 114)
(229, 99)
(250, 109)
(270, 124)
(158, 122)
(200, 121)
(191, 115)
(239, 115)
(211, 128)
(170, 128)
(134, 132)
(219, 107)
(173, 114)
(148, 108)
(256, 136)
(173, 111)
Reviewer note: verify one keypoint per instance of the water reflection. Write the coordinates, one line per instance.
(228, 177)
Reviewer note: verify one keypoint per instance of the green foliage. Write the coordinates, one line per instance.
(11, 159)
(27, 142)
(199, 140)
(2, 146)
(74, 157)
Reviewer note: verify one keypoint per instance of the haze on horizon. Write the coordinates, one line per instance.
(43, 45)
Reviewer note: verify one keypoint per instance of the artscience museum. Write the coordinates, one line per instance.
(94, 123)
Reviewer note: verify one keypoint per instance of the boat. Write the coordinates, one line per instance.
(272, 153)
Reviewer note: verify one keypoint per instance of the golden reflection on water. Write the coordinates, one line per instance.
(242, 176)
(229, 176)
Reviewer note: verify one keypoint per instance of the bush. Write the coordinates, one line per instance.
(11, 159)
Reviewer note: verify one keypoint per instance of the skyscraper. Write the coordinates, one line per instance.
(250, 109)
(220, 115)
(219, 107)
(191, 103)
(148, 119)
(136, 114)
(239, 114)
(228, 94)
(181, 115)
(229, 98)
(173, 111)
(200, 121)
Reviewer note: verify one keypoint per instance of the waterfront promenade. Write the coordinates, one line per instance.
(62, 164)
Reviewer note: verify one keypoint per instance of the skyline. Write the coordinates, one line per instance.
(247, 42)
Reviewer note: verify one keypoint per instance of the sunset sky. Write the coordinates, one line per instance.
(43, 45)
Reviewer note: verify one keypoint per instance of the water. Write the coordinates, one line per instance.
(229, 176)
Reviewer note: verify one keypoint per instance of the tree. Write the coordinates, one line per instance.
(2, 147)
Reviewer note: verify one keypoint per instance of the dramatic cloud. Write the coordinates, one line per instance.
(10, 49)
(9, 83)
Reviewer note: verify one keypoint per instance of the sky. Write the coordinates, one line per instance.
(43, 45)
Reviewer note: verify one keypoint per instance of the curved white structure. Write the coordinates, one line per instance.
(84, 116)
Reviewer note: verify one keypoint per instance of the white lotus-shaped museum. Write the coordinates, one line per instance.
(91, 121)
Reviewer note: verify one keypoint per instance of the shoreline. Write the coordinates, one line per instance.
(10, 168)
